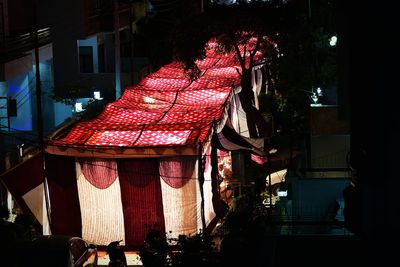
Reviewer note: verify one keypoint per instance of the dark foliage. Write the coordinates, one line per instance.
(197, 250)
(302, 59)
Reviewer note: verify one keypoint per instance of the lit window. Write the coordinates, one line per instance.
(96, 95)
(78, 107)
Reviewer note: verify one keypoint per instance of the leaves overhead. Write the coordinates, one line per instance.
(292, 38)
(232, 27)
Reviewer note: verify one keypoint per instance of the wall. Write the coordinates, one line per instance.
(92, 41)
(329, 151)
(47, 85)
(18, 67)
(61, 113)
(315, 195)
(20, 88)
(20, 16)
(66, 21)
(325, 120)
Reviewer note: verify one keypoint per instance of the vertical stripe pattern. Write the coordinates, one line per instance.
(101, 209)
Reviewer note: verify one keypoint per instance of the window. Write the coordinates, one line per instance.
(86, 59)
(100, 55)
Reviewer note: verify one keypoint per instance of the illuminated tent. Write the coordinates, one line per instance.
(145, 161)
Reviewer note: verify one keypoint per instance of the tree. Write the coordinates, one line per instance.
(293, 45)
(251, 31)
(252, 41)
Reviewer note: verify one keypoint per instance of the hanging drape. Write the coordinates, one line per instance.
(25, 182)
(207, 187)
(103, 200)
(63, 195)
(141, 198)
(176, 172)
(101, 208)
(181, 204)
(100, 173)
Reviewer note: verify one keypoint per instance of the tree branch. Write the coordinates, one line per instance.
(242, 62)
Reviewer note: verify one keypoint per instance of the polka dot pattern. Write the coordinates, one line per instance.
(164, 109)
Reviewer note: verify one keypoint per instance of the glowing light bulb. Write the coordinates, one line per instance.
(319, 91)
(314, 98)
(78, 107)
(333, 40)
(96, 95)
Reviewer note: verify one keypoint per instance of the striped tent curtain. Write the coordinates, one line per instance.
(141, 198)
(65, 210)
(104, 200)
(181, 203)
(101, 208)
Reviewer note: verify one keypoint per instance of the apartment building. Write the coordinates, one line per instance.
(76, 46)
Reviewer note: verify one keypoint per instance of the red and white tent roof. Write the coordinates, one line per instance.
(165, 110)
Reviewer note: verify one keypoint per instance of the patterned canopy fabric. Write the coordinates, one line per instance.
(165, 109)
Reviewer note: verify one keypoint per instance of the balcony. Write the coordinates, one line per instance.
(15, 47)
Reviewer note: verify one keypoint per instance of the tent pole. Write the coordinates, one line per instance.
(201, 183)
(117, 51)
(39, 109)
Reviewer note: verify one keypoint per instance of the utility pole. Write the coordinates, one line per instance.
(269, 181)
(45, 228)
(38, 84)
(117, 51)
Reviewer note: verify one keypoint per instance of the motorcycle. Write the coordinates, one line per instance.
(116, 254)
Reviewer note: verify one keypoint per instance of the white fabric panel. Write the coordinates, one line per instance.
(101, 211)
(277, 177)
(225, 116)
(228, 145)
(34, 200)
(45, 225)
(181, 207)
(254, 87)
(238, 118)
(209, 212)
(233, 113)
(258, 143)
(198, 197)
(258, 81)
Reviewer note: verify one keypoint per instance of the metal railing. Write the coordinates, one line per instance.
(309, 173)
(16, 47)
(309, 220)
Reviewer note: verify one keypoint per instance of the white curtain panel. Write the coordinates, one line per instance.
(181, 205)
(238, 117)
(101, 211)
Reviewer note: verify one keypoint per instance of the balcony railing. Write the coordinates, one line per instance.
(15, 47)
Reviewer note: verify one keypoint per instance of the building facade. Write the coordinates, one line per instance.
(76, 46)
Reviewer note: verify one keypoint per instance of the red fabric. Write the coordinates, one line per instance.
(23, 178)
(101, 173)
(164, 109)
(141, 198)
(176, 172)
(259, 159)
(63, 193)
